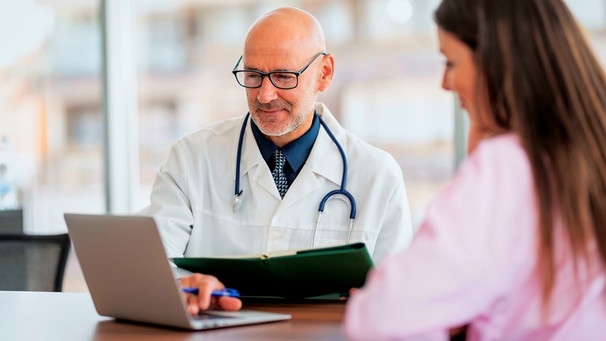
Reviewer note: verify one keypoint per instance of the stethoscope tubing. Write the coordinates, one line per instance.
(342, 190)
(237, 201)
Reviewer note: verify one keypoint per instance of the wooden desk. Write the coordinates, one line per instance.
(52, 316)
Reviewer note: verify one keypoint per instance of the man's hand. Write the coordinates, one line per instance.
(203, 300)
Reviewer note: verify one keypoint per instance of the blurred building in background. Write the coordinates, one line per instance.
(386, 88)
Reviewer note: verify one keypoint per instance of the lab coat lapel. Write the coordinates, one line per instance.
(324, 161)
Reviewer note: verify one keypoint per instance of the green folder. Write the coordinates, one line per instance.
(308, 273)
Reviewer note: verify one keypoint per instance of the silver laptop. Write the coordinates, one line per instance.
(130, 278)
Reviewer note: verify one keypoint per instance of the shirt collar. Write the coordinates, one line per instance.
(296, 152)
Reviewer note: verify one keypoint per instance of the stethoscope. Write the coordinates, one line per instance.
(237, 201)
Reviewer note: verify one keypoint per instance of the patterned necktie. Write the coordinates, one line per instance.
(278, 173)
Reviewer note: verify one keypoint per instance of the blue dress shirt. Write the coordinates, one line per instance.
(296, 152)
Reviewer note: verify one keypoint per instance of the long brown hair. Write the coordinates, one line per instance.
(544, 83)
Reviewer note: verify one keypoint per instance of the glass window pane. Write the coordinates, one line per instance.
(50, 108)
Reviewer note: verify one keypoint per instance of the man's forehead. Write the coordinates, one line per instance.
(272, 60)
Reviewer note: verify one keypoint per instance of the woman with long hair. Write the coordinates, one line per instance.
(515, 247)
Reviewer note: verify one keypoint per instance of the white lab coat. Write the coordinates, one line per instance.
(192, 197)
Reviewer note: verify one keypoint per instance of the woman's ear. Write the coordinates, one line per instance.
(326, 72)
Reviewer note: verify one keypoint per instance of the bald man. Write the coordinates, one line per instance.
(281, 159)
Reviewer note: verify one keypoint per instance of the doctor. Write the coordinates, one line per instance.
(283, 67)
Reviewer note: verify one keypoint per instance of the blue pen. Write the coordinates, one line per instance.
(223, 292)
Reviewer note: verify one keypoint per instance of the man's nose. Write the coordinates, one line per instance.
(267, 92)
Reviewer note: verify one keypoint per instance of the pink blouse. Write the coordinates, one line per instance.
(473, 261)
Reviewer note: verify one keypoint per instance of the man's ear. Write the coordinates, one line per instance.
(326, 72)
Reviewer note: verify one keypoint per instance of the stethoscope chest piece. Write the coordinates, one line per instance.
(237, 202)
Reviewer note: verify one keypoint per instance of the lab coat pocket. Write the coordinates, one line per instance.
(341, 235)
(217, 235)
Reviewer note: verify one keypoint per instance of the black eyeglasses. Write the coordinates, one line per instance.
(284, 80)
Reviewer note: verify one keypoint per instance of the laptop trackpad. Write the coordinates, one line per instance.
(220, 318)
